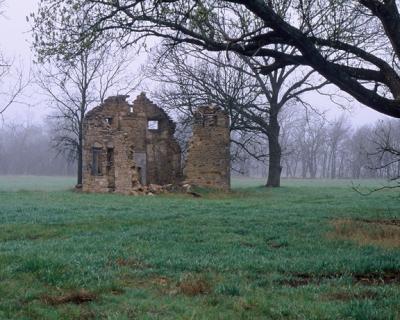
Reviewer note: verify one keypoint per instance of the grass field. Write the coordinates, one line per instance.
(309, 250)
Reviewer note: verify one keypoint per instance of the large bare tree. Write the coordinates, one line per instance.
(354, 44)
(253, 101)
(74, 85)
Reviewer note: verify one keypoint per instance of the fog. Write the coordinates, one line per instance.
(28, 117)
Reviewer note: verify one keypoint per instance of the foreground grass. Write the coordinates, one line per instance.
(253, 254)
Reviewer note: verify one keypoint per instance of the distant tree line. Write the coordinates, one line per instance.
(27, 150)
(313, 147)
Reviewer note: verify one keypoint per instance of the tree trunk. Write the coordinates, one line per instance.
(80, 165)
(324, 159)
(275, 153)
(333, 166)
(80, 150)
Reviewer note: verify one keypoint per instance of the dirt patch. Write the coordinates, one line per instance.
(375, 278)
(295, 282)
(370, 278)
(387, 222)
(76, 297)
(347, 296)
(193, 287)
(117, 291)
(304, 279)
(161, 281)
(277, 245)
(384, 233)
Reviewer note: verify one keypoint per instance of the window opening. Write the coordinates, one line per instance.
(152, 125)
(96, 165)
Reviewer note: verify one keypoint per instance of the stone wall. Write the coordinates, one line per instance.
(129, 146)
(208, 159)
(126, 146)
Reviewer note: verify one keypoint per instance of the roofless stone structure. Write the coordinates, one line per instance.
(126, 146)
(131, 146)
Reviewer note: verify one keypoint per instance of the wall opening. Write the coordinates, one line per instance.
(96, 161)
(110, 168)
(152, 125)
(110, 157)
(140, 159)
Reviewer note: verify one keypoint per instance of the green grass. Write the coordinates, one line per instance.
(34, 183)
(255, 253)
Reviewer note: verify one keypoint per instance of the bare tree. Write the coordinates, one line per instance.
(321, 148)
(75, 85)
(383, 155)
(386, 152)
(310, 138)
(358, 145)
(353, 44)
(12, 81)
(337, 133)
(253, 101)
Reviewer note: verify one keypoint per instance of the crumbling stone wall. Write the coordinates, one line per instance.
(208, 159)
(127, 146)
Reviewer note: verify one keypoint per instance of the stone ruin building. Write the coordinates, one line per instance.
(129, 147)
(208, 159)
(126, 146)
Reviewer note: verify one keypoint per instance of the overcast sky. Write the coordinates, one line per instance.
(14, 42)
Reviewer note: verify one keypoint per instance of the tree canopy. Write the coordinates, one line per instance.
(353, 44)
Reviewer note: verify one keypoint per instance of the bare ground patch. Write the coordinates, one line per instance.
(347, 296)
(190, 285)
(384, 233)
(375, 278)
(299, 280)
(304, 279)
(386, 277)
(131, 262)
(75, 297)
(161, 281)
(194, 286)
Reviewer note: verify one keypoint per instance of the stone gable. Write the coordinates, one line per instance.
(126, 146)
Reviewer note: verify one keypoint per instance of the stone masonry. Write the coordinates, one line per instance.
(129, 146)
(208, 159)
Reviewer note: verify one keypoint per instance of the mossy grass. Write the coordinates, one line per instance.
(253, 253)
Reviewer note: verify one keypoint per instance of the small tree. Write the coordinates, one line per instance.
(386, 154)
(10, 91)
(12, 81)
(74, 85)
